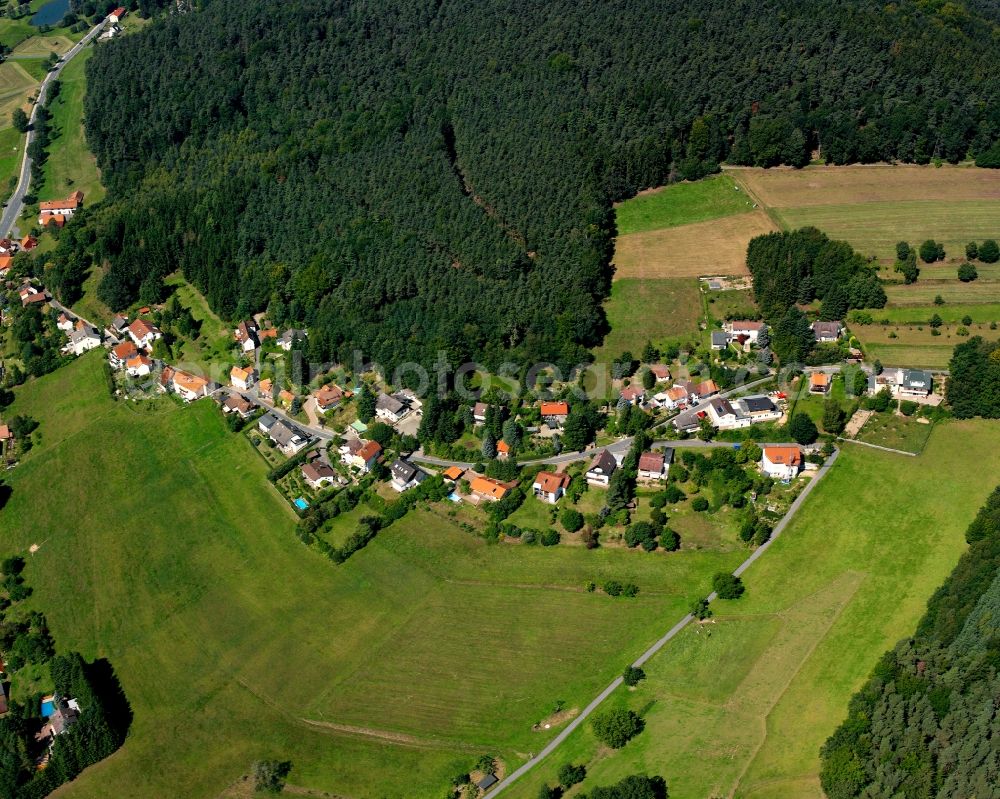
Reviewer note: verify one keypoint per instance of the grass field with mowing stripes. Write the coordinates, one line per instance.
(740, 707)
(681, 204)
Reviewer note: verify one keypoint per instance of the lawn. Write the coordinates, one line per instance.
(716, 247)
(71, 166)
(11, 150)
(681, 204)
(951, 313)
(732, 304)
(908, 433)
(649, 310)
(165, 549)
(212, 353)
(923, 292)
(740, 707)
(912, 346)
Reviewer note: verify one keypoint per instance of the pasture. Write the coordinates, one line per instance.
(714, 247)
(681, 204)
(70, 165)
(914, 345)
(649, 310)
(740, 706)
(907, 433)
(951, 291)
(41, 45)
(235, 642)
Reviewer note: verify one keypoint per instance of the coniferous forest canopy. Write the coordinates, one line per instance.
(419, 176)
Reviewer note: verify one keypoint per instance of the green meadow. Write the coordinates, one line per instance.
(740, 706)
(162, 547)
(681, 204)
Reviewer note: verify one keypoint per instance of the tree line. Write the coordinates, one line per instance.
(379, 201)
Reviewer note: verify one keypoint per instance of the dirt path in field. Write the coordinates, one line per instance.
(400, 738)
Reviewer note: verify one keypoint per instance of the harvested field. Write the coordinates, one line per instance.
(951, 291)
(716, 247)
(849, 185)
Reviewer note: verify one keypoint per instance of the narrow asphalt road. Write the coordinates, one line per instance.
(16, 202)
(671, 633)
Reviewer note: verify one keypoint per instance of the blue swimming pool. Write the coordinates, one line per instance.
(48, 707)
(301, 504)
(454, 497)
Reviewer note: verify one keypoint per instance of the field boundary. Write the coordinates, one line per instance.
(879, 446)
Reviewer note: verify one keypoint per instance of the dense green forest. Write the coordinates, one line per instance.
(926, 723)
(973, 387)
(420, 176)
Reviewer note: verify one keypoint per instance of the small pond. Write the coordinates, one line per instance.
(51, 13)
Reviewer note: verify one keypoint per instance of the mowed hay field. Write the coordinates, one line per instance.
(873, 207)
(715, 247)
(741, 706)
(164, 549)
(681, 204)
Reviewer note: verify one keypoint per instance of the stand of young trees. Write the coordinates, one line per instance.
(925, 723)
(973, 387)
(413, 178)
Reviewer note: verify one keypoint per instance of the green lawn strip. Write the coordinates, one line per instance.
(11, 152)
(848, 578)
(920, 356)
(70, 166)
(35, 67)
(907, 433)
(950, 313)
(978, 292)
(649, 310)
(681, 204)
(874, 228)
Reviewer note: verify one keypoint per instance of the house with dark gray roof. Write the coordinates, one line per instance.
(915, 383)
(720, 339)
(405, 475)
(288, 438)
(601, 469)
(391, 407)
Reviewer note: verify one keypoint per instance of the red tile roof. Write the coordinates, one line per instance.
(551, 482)
(651, 462)
(555, 409)
(784, 456)
(371, 449)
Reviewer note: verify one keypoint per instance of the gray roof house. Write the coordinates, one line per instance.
(601, 469)
(392, 408)
(266, 422)
(288, 437)
(915, 382)
(720, 340)
(487, 782)
(405, 475)
(827, 331)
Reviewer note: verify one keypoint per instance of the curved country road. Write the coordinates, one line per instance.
(16, 202)
(660, 643)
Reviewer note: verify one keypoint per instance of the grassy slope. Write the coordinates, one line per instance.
(71, 166)
(164, 549)
(747, 708)
(681, 204)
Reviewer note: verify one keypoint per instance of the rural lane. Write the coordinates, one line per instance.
(16, 202)
(671, 633)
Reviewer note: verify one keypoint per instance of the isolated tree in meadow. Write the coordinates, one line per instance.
(632, 676)
(727, 586)
(931, 251)
(972, 251)
(967, 320)
(269, 775)
(834, 418)
(936, 321)
(802, 428)
(616, 727)
(902, 250)
(649, 353)
(967, 273)
(938, 299)
(908, 267)
(20, 120)
(571, 520)
(989, 252)
(570, 774)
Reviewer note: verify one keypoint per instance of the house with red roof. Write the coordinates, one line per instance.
(550, 486)
(781, 463)
(144, 333)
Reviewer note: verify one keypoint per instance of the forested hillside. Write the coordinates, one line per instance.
(926, 724)
(413, 176)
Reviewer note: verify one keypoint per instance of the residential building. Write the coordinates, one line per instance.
(453, 474)
(246, 335)
(288, 438)
(723, 415)
(65, 323)
(63, 209)
(671, 399)
(33, 298)
(318, 474)
(655, 465)
(914, 383)
(286, 398)
(781, 463)
(601, 469)
(743, 327)
(186, 385)
(633, 394)
(479, 412)
(361, 454)
(720, 339)
(827, 331)
(52, 220)
(555, 413)
(405, 475)
(138, 366)
(118, 328)
(83, 339)
(6, 262)
(550, 486)
(117, 15)
(121, 353)
(264, 387)
(329, 397)
(696, 392)
(235, 403)
(759, 409)
(29, 243)
(503, 450)
(289, 337)
(486, 488)
(266, 422)
(144, 334)
(242, 378)
(820, 382)
(391, 407)
(660, 371)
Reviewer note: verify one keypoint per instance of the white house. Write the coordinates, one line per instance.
(360, 453)
(725, 416)
(65, 323)
(550, 486)
(827, 331)
(318, 474)
(781, 463)
(143, 334)
(288, 438)
(655, 465)
(914, 383)
(242, 378)
(117, 15)
(633, 395)
(720, 339)
(601, 469)
(187, 386)
(138, 366)
(405, 475)
(759, 408)
(247, 335)
(479, 412)
(65, 208)
(82, 339)
(742, 327)
(391, 408)
(289, 337)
